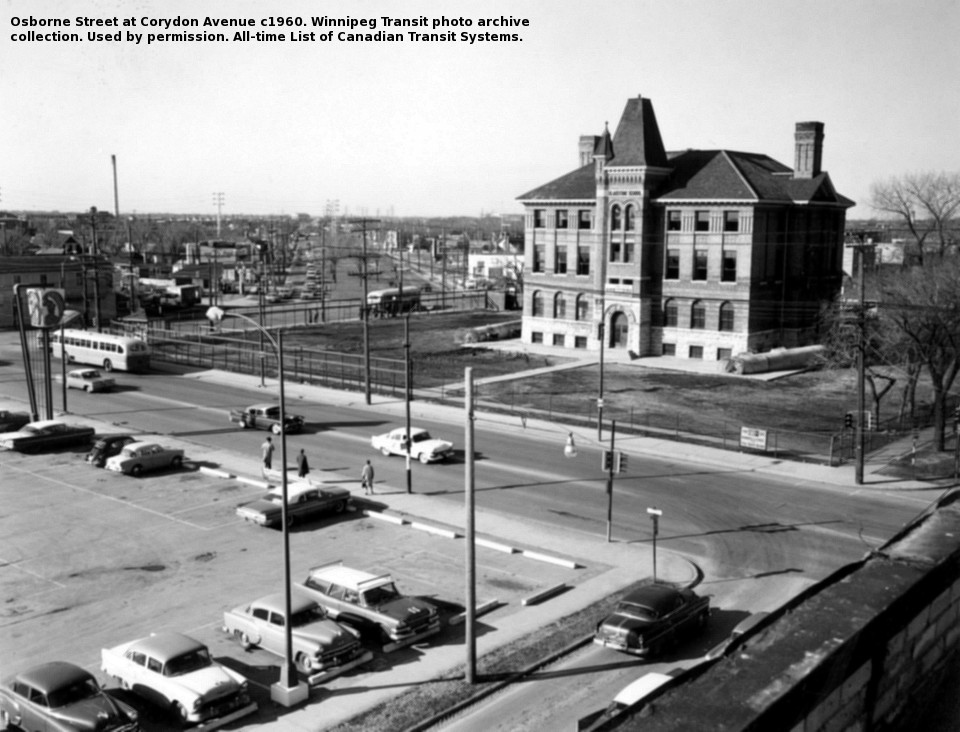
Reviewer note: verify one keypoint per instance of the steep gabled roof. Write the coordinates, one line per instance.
(637, 140)
(578, 185)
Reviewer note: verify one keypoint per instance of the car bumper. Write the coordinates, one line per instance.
(402, 641)
(329, 673)
(255, 518)
(213, 722)
(619, 645)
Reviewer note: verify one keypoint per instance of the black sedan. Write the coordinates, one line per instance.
(12, 421)
(61, 696)
(652, 618)
(47, 434)
(106, 447)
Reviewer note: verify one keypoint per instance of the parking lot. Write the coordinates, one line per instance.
(90, 559)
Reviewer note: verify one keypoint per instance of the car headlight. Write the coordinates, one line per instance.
(196, 704)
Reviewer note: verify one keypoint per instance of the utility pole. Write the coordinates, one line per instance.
(365, 311)
(610, 464)
(406, 389)
(96, 268)
(862, 244)
(470, 638)
(218, 202)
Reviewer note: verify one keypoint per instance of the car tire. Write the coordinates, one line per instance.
(136, 471)
(245, 642)
(107, 364)
(179, 713)
(303, 664)
(176, 462)
(424, 458)
(385, 452)
(339, 506)
(275, 429)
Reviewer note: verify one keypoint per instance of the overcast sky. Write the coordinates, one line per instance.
(453, 128)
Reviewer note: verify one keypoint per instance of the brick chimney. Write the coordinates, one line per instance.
(587, 144)
(809, 149)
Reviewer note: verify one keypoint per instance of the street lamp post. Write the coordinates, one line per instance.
(655, 514)
(288, 691)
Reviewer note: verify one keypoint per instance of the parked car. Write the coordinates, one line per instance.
(372, 604)
(139, 457)
(266, 417)
(61, 697)
(651, 618)
(106, 447)
(322, 648)
(13, 421)
(46, 434)
(89, 380)
(744, 627)
(303, 502)
(176, 673)
(423, 447)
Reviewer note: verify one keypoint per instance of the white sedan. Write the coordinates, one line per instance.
(139, 457)
(89, 380)
(423, 447)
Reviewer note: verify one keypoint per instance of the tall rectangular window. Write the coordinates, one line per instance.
(702, 221)
(731, 221)
(538, 257)
(673, 221)
(729, 271)
(562, 219)
(629, 251)
(583, 219)
(615, 251)
(560, 259)
(583, 260)
(673, 265)
(699, 264)
(539, 218)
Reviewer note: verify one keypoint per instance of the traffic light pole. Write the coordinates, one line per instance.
(609, 465)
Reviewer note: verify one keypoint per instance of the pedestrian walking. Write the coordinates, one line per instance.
(366, 478)
(266, 451)
(303, 467)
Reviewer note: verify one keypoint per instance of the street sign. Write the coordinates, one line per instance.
(600, 403)
(753, 438)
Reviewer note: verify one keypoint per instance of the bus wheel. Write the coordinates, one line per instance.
(107, 364)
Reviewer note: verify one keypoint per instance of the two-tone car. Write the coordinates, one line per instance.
(372, 604)
(47, 434)
(176, 673)
(60, 697)
(651, 618)
(140, 457)
(422, 446)
(322, 648)
(89, 380)
(304, 502)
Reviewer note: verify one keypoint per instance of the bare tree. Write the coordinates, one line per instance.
(926, 202)
(921, 308)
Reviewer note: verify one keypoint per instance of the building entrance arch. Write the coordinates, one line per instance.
(619, 330)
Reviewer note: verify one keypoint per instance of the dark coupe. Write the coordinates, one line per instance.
(61, 697)
(652, 618)
(107, 447)
(47, 434)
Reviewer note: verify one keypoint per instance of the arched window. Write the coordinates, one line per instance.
(670, 313)
(628, 218)
(583, 307)
(615, 218)
(559, 306)
(698, 315)
(537, 304)
(726, 316)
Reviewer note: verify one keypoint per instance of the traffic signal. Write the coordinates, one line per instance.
(621, 463)
(848, 421)
(607, 460)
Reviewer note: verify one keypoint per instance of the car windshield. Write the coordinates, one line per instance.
(380, 595)
(305, 617)
(75, 692)
(91, 375)
(421, 436)
(192, 661)
(641, 612)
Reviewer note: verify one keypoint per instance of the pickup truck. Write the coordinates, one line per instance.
(371, 604)
(177, 673)
(322, 648)
(265, 417)
(651, 618)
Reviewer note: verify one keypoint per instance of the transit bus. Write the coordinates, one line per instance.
(391, 302)
(106, 350)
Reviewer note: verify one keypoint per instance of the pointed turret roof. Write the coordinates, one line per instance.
(637, 140)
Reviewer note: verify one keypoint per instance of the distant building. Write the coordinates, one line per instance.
(699, 254)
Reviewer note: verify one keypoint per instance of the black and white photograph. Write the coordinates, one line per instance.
(519, 366)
